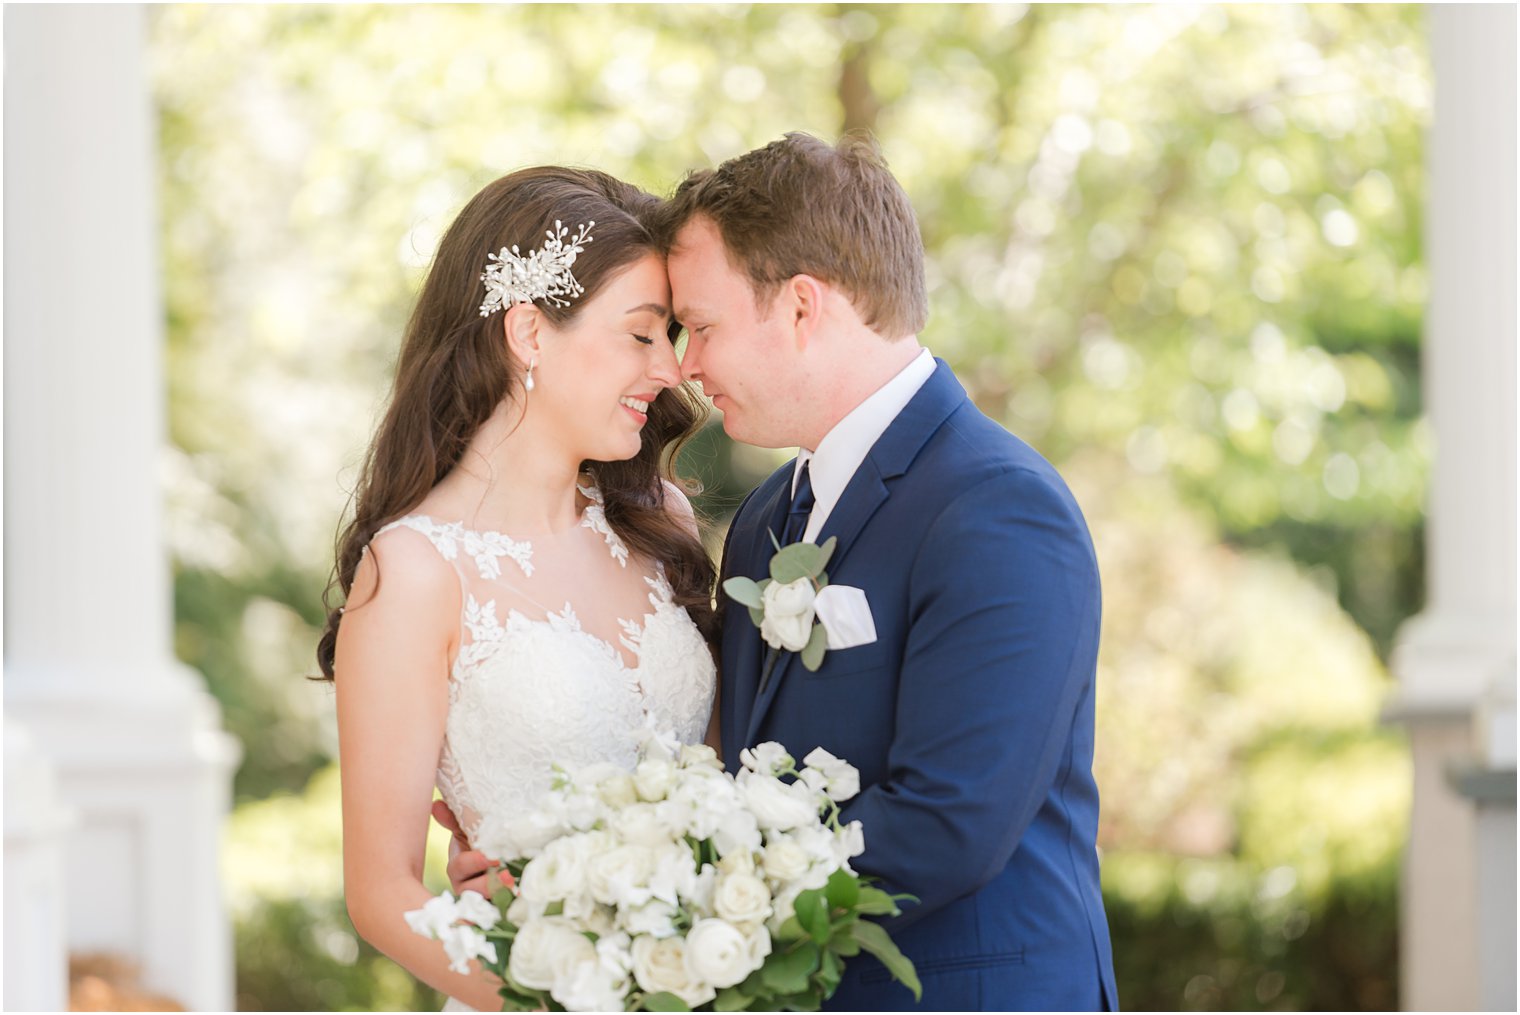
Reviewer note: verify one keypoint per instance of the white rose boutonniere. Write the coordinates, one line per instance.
(797, 610)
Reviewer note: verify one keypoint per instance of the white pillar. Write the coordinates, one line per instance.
(1455, 663)
(133, 736)
(36, 948)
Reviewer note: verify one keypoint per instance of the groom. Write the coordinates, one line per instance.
(797, 270)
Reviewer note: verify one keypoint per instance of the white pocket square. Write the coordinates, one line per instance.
(845, 615)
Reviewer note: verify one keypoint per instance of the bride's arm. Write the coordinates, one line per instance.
(392, 688)
(681, 510)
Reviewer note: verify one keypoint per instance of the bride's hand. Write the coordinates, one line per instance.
(468, 869)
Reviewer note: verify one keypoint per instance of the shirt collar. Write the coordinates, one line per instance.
(844, 447)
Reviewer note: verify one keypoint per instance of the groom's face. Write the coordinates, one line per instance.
(743, 355)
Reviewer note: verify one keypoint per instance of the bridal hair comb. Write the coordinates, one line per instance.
(543, 275)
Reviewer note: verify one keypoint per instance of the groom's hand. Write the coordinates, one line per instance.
(468, 869)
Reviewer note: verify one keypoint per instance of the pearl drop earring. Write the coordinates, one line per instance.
(529, 382)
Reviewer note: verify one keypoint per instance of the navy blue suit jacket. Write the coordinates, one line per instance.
(970, 717)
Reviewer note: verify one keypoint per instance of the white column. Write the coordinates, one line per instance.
(133, 736)
(1455, 663)
(36, 948)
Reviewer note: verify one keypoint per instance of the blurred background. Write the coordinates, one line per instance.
(1182, 251)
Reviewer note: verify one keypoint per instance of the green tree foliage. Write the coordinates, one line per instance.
(1176, 249)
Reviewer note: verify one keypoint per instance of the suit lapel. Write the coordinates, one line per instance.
(867, 490)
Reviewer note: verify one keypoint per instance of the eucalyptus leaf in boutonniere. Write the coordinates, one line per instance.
(797, 610)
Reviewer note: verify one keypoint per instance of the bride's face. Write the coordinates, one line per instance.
(599, 373)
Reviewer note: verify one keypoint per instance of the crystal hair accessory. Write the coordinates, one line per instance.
(543, 275)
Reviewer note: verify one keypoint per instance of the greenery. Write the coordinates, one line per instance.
(1175, 248)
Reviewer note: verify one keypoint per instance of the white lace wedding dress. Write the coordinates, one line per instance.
(531, 687)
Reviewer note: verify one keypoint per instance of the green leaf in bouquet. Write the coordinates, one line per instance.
(842, 890)
(787, 972)
(799, 560)
(830, 971)
(874, 939)
(731, 999)
(875, 902)
(842, 940)
(813, 913)
(812, 652)
(743, 590)
(756, 616)
(555, 908)
(664, 1001)
(790, 930)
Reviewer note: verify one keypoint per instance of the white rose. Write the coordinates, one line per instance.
(560, 870)
(784, 861)
(758, 941)
(655, 918)
(640, 825)
(521, 911)
(700, 756)
(784, 905)
(617, 790)
(741, 898)
(841, 779)
(740, 861)
(776, 805)
(547, 950)
(618, 875)
(653, 777)
(788, 622)
(718, 953)
(524, 835)
(660, 965)
(767, 758)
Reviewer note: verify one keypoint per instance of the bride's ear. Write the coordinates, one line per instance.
(522, 330)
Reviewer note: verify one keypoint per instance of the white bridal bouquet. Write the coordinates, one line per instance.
(675, 887)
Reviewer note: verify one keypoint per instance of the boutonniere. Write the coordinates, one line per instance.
(797, 610)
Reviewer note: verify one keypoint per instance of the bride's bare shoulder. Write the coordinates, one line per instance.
(403, 564)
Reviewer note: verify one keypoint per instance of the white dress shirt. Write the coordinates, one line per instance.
(843, 448)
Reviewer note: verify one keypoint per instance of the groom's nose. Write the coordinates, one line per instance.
(691, 364)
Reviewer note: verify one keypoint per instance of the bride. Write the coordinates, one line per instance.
(522, 581)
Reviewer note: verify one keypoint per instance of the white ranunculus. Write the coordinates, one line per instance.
(700, 756)
(640, 825)
(842, 779)
(660, 965)
(741, 898)
(788, 622)
(653, 778)
(547, 950)
(463, 943)
(620, 875)
(778, 806)
(783, 860)
(718, 953)
(655, 918)
(767, 758)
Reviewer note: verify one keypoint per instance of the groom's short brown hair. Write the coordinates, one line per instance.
(802, 206)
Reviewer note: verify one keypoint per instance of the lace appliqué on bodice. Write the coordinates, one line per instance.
(528, 692)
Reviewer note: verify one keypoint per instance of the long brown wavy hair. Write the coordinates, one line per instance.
(454, 370)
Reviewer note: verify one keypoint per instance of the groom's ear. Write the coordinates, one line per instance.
(521, 324)
(804, 305)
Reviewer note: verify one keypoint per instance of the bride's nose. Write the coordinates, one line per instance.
(663, 366)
